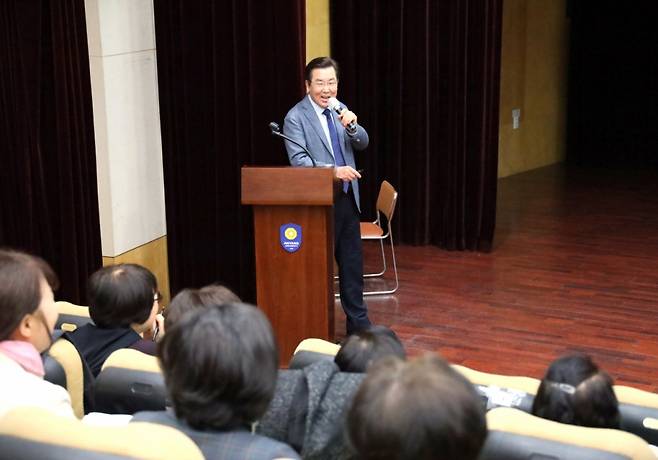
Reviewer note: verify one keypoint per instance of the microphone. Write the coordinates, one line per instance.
(335, 106)
(276, 131)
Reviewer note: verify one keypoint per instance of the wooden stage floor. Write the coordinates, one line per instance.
(574, 268)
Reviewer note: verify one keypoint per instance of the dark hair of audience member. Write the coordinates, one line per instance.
(575, 391)
(418, 409)
(121, 295)
(220, 366)
(322, 62)
(190, 299)
(20, 287)
(361, 349)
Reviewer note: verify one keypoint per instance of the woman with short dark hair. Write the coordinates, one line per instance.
(220, 366)
(27, 319)
(123, 302)
(416, 410)
(575, 391)
(360, 350)
(192, 299)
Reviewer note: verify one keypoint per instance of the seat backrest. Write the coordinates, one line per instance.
(130, 381)
(517, 435)
(68, 357)
(33, 433)
(71, 316)
(386, 200)
(311, 350)
(526, 384)
(54, 371)
(639, 412)
(498, 390)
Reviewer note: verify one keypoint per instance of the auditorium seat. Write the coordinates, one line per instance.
(517, 435)
(68, 357)
(71, 316)
(130, 381)
(32, 433)
(311, 350)
(639, 412)
(54, 371)
(499, 390)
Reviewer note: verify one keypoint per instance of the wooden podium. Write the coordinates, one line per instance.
(294, 279)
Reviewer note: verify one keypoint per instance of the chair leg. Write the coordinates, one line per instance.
(395, 271)
(374, 275)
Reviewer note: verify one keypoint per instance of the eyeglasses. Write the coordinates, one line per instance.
(157, 297)
(331, 84)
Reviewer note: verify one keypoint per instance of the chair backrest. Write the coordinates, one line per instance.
(130, 381)
(68, 357)
(71, 316)
(639, 412)
(33, 433)
(386, 200)
(311, 350)
(517, 435)
(499, 390)
(54, 371)
(526, 384)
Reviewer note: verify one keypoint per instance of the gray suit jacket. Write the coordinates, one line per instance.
(302, 125)
(224, 445)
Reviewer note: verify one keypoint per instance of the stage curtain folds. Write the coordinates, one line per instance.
(225, 69)
(49, 199)
(423, 77)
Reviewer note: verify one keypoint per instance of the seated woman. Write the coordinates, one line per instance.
(218, 397)
(360, 350)
(577, 392)
(192, 299)
(123, 302)
(27, 319)
(419, 409)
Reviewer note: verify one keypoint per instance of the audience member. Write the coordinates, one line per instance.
(27, 319)
(192, 299)
(421, 409)
(218, 397)
(575, 391)
(123, 303)
(361, 349)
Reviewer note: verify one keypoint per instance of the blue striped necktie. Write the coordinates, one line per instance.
(335, 145)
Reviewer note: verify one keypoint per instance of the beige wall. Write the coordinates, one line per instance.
(535, 46)
(317, 29)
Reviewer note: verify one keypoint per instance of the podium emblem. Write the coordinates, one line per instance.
(290, 237)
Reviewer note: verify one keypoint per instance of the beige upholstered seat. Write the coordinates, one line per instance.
(639, 412)
(71, 316)
(68, 357)
(318, 346)
(517, 435)
(34, 433)
(526, 384)
(130, 381)
(311, 350)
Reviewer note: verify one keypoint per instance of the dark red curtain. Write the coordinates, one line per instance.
(48, 192)
(225, 69)
(613, 84)
(423, 77)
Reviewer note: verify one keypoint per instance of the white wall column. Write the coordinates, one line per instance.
(124, 84)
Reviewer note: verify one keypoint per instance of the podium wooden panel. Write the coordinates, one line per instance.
(295, 290)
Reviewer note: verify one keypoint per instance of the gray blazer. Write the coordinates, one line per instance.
(302, 125)
(224, 445)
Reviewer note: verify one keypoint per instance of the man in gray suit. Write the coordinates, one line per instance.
(332, 139)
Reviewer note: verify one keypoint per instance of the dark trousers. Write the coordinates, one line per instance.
(349, 256)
